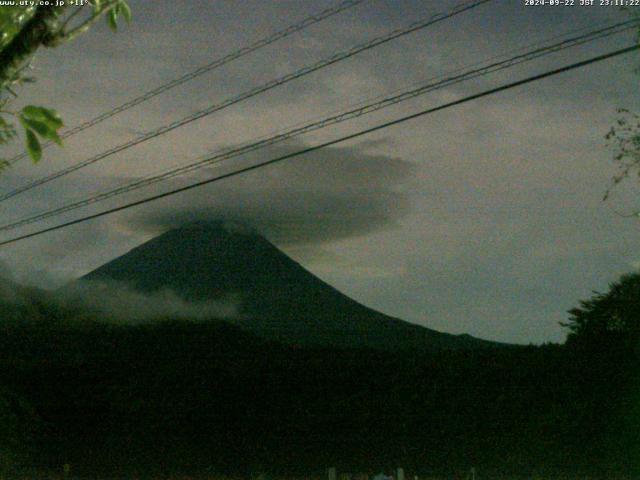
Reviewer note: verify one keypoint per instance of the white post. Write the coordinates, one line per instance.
(400, 475)
(332, 473)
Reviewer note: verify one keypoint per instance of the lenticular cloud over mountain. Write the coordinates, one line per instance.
(322, 196)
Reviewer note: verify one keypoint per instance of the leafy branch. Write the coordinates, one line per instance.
(23, 31)
(624, 139)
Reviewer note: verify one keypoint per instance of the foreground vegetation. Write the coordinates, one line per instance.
(205, 398)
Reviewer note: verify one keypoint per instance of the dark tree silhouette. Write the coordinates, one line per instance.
(611, 318)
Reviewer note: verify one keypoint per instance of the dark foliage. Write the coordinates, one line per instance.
(609, 320)
(202, 397)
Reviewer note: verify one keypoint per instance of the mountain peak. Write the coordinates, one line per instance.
(228, 227)
(279, 298)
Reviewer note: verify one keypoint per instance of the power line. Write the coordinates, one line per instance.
(304, 151)
(249, 94)
(354, 113)
(219, 62)
(332, 120)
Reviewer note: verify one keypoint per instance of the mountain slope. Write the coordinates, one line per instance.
(279, 299)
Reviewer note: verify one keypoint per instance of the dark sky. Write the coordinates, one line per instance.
(485, 218)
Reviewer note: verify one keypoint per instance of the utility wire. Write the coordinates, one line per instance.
(304, 151)
(290, 30)
(249, 94)
(331, 120)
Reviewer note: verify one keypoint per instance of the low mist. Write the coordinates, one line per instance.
(109, 302)
(118, 302)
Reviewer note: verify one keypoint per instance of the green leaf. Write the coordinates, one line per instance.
(38, 127)
(41, 128)
(112, 19)
(44, 115)
(34, 149)
(125, 10)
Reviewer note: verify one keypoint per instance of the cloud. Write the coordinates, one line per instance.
(105, 301)
(116, 302)
(323, 196)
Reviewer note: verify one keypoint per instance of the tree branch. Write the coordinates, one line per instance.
(38, 31)
(84, 26)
